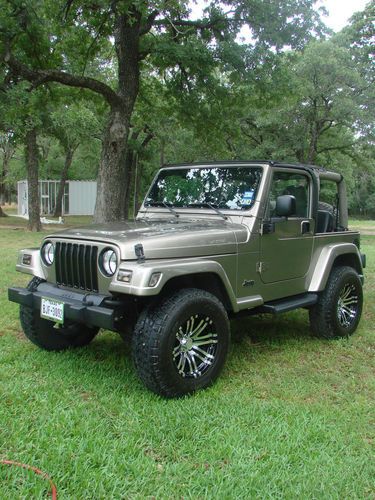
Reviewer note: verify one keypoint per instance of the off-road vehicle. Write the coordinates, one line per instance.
(209, 242)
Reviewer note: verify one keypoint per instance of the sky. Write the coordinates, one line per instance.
(339, 10)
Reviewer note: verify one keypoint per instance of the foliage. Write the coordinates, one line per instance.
(186, 53)
(288, 95)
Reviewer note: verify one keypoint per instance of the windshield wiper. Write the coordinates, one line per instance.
(162, 204)
(208, 205)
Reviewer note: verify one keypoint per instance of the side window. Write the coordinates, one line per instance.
(295, 184)
(328, 209)
(328, 193)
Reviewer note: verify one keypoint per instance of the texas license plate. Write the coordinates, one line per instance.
(52, 310)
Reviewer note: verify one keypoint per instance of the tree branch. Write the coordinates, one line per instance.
(336, 148)
(149, 23)
(200, 25)
(249, 123)
(327, 127)
(150, 135)
(39, 77)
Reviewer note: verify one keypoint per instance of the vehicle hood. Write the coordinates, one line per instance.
(165, 238)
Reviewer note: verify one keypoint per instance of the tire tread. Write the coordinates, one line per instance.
(148, 335)
(321, 314)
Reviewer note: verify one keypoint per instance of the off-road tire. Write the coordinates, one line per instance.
(325, 314)
(43, 333)
(155, 342)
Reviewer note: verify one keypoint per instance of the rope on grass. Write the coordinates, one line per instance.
(37, 471)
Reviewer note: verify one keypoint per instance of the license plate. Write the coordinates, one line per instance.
(52, 310)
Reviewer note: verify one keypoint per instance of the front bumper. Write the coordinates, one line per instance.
(86, 308)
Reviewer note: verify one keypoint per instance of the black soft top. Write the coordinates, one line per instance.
(271, 163)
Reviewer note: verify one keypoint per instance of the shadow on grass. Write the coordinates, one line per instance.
(268, 329)
(109, 356)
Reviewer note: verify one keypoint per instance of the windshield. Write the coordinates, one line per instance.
(233, 188)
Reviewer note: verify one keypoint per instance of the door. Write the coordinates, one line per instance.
(286, 243)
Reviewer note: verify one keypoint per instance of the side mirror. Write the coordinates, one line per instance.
(285, 205)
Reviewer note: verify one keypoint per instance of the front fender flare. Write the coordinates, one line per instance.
(169, 269)
(35, 267)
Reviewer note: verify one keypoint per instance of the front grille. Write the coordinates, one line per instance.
(76, 266)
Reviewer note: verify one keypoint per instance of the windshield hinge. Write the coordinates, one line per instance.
(139, 253)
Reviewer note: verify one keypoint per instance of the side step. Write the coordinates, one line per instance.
(288, 304)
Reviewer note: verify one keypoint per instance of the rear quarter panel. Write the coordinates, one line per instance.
(326, 248)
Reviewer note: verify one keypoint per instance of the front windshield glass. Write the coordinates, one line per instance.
(233, 188)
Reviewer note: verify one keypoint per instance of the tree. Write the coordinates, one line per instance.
(304, 109)
(71, 123)
(32, 164)
(160, 30)
(7, 150)
(23, 116)
(359, 37)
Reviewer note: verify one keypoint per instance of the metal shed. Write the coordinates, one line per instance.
(79, 197)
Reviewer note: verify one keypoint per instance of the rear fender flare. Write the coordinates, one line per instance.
(326, 262)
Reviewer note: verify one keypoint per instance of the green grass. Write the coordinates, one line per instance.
(290, 417)
(14, 222)
(80, 220)
(362, 224)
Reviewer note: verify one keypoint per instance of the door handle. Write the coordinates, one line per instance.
(305, 226)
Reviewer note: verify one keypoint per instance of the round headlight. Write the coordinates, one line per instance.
(108, 262)
(48, 253)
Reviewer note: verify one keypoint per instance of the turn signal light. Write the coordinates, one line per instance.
(124, 276)
(154, 280)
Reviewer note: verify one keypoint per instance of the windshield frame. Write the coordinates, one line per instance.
(225, 210)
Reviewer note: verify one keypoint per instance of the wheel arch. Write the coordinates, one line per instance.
(343, 254)
(209, 275)
(208, 281)
(350, 260)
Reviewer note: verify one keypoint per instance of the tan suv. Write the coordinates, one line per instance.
(210, 241)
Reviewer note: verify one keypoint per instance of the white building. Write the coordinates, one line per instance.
(79, 197)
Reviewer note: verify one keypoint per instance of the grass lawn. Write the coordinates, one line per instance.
(361, 223)
(14, 222)
(290, 417)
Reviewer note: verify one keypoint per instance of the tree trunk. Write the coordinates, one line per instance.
(3, 189)
(110, 199)
(112, 176)
(8, 152)
(133, 174)
(137, 187)
(69, 153)
(162, 152)
(31, 153)
(2, 214)
(129, 172)
(313, 147)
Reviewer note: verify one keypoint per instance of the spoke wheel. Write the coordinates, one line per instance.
(195, 346)
(339, 307)
(180, 345)
(347, 305)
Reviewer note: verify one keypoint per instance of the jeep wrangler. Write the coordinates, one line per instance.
(210, 241)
